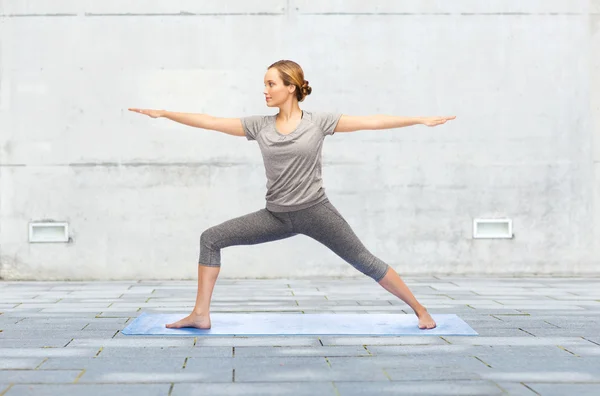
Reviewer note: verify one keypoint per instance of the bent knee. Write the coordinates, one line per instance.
(208, 236)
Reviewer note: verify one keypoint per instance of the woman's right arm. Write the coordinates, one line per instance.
(230, 126)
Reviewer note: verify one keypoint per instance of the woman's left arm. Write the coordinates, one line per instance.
(359, 123)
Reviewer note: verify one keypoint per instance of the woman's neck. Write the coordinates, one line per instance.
(289, 112)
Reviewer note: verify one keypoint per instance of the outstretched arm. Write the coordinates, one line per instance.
(358, 123)
(230, 126)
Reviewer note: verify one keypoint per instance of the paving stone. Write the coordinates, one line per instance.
(160, 352)
(500, 332)
(15, 363)
(590, 297)
(566, 314)
(96, 311)
(423, 374)
(22, 300)
(398, 350)
(534, 376)
(574, 323)
(35, 327)
(517, 299)
(118, 314)
(257, 341)
(210, 374)
(460, 311)
(383, 340)
(592, 350)
(308, 373)
(295, 309)
(406, 362)
(285, 369)
(18, 311)
(107, 301)
(523, 341)
(66, 306)
(568, 362)
(516, 388)
(515, 321)
(46, 342)
(256, 389)
(497, 283)
(38, 376)
(477, 387)
(111, 294)
(594, 340)
(536, 308)
(139, 290)
(90, 390)
(465, 301)
(538, 351)
(98, 325)
(23, 352)
(65, 315)
(70, 320)
(16, 334)
(532, 324)
(118, 363)
(562, 332)
(247, 351)
(132, 342)
(566, 389)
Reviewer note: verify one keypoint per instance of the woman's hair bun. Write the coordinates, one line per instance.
(306, 89)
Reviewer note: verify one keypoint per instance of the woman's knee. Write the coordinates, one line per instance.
(210, 252)
(214, 237)
(207, 237)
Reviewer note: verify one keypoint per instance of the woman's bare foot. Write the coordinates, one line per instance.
(192, 320)
(425, 320)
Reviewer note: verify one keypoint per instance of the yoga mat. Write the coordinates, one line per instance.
(277, 324)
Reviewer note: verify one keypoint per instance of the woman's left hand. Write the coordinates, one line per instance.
(433, 121)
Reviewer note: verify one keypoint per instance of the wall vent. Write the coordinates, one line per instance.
(48, 232)
(492, 228)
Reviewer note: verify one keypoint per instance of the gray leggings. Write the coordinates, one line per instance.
(321, 222)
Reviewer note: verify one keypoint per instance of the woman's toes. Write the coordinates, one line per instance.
(180, 323)
(196, 321)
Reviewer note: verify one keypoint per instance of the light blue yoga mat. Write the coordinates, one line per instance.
(275, 324)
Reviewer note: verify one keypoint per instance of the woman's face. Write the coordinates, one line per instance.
(276, 93)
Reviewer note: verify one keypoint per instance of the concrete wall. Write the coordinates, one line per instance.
(521, 75)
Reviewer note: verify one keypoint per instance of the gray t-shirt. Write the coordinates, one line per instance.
(292, 161)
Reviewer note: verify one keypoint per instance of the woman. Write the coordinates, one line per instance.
(291, 143)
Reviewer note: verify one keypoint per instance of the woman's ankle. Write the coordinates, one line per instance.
(419, 309)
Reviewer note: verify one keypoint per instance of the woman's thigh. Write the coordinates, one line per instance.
(324, 223)
(250, 229)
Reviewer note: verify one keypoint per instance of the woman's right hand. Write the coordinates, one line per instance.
(148, 112)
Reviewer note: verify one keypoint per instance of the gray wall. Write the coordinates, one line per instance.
(522, 76)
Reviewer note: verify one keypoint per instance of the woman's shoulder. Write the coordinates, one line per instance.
(258, 118)
(319, 116)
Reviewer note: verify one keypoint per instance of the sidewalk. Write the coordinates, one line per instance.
(536, 336)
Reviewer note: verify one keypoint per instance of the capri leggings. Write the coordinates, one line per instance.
(321, 222)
